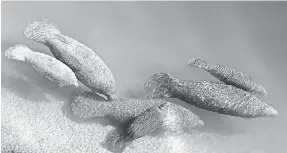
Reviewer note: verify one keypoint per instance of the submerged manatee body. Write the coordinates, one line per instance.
(138, 116)
(212, 96)
(230, 76)
(45, 65)
(89, 68)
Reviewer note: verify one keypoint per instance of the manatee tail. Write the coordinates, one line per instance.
(159, 85)
(18, 52)
(117, 140)
(145, 123)
(197, 63)
(41, 30)
(114, 142)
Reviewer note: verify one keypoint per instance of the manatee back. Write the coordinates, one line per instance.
(124, 109)
(89, 68)
(224, 99)
(237, 78)
(53, 69)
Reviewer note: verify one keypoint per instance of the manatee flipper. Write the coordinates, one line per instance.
(135, 128)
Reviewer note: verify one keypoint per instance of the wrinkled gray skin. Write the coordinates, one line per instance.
(137, 127)
(87, 65)
(230, 76)
(89, 105)
(45, 65)
(212, 96)
(139, 117)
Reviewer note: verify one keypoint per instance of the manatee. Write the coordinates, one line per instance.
(87, 65)
(138, 117)
(45, 65)
(230, 76)
(209, 95)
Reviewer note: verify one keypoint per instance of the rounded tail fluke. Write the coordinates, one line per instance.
(41, 30)
(117, 140)
(197, 63)
(159, 86)
(114, 142)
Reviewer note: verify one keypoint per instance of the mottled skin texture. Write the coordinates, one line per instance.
(88, 104)
(45, 65)
(144, 123)
(231, 76)
(137, 127)
(208, 95)
(139, 117)
(89, 68)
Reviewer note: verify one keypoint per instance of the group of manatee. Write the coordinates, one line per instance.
(73, 62)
